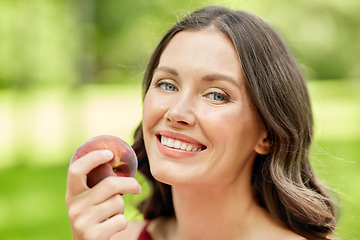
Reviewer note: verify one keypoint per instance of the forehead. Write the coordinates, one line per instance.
(202, 51)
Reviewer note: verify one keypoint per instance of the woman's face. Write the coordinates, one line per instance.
(198, 123)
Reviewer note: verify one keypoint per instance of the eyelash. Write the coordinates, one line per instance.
(161, 82)
(224, 95)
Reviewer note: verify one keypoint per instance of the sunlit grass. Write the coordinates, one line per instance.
(44, 125)
(336, 152)
(34, 164)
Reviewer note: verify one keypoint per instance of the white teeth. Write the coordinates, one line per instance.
(177, 144)
(170, 143)
(183, 146)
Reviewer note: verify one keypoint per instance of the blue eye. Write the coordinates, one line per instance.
(166, 86)
(216, 97)
(219, 97)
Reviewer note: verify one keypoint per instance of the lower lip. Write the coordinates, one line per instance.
(175, 153)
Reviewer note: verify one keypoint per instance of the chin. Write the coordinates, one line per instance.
(165, 175)
(167, 172)
(163, 179)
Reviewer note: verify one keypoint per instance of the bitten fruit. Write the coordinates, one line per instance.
(123, 164)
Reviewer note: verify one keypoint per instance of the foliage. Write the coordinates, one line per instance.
(60, 65)
(91, 41)
(34, 163)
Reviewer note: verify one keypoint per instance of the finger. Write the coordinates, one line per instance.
(111, 186)
(104, 230)
(76, 181)
(112, 225)
(105, 210)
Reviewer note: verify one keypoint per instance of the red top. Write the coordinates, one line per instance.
(144, 235)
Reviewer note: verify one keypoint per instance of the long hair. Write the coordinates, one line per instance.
(283, 181)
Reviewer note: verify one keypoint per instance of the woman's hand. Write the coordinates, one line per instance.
(96, 213)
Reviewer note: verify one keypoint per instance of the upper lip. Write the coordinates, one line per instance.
(178, 136)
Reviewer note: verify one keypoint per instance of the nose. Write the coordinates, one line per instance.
(181, 112)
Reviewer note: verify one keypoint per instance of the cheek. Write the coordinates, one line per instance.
(148, 115)
(146, 110)
(220, 122)
(231, 129)
(153, 111)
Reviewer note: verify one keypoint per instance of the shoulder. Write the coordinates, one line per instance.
(131, 232)
(289, 235)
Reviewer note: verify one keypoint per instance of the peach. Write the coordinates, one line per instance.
(123, 164)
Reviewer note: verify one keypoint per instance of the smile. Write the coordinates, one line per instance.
(177, 144)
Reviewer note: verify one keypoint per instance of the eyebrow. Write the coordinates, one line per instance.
(207, 78)
(167, 69)
(219, 76)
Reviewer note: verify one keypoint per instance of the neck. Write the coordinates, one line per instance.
(224, 209)
(222, 212)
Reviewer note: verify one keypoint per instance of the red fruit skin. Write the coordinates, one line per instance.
(123, 164)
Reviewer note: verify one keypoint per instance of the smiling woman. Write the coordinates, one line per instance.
(190, 101)
(224, 142)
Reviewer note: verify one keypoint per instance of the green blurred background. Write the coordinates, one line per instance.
(70, 70)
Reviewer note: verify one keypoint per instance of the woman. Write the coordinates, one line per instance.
(224, 142)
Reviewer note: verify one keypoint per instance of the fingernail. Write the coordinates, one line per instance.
(108, 153)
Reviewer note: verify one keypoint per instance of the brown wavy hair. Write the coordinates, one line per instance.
(283, 181)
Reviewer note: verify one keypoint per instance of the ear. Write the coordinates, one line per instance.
(263, 146)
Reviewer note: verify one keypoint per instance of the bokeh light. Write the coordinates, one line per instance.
(71, 70)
